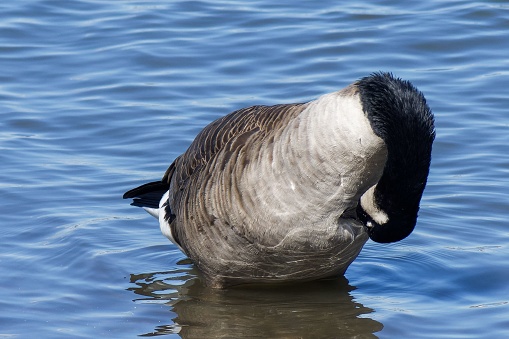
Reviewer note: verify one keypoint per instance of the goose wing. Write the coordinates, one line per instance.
(229, 131)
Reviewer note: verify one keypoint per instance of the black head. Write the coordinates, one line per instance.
(398, 113)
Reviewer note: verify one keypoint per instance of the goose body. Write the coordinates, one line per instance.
(292, 192)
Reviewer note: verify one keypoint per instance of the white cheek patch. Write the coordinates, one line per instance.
(369, 205)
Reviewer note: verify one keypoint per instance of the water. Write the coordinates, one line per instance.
(98, 96)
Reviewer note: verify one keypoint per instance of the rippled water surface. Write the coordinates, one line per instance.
(99, 96)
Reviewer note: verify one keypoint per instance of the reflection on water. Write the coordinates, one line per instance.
(320, 309)
(97, 96)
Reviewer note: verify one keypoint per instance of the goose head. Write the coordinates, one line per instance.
(399, 115)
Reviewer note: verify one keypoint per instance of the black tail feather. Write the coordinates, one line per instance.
(147, 195)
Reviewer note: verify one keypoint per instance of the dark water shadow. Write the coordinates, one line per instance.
(321, 309)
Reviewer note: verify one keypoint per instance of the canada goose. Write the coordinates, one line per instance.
(292, 192)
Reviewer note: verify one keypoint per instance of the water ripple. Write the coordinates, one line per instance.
(99, 96)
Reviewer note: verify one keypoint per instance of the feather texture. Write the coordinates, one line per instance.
(271, 193)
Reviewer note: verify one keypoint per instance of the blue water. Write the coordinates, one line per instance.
(99, 96)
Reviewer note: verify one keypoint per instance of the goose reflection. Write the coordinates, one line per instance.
(319, 309)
